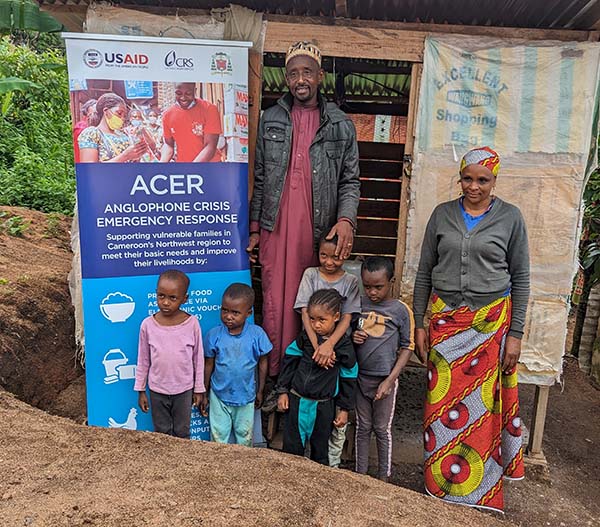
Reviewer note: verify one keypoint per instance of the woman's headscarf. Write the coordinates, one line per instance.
(483, 156)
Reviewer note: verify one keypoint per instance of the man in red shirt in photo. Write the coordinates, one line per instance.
(194, 125)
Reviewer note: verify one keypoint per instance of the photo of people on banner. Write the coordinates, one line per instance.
(118, 121)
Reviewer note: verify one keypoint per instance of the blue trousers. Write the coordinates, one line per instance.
(225, 419)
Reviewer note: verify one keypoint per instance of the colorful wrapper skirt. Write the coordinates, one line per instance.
(472, 429)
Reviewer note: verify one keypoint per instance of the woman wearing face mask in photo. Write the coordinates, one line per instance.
(107, 142)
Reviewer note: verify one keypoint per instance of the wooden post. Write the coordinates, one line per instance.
(255, 66)
(538, 419)
(413, 104)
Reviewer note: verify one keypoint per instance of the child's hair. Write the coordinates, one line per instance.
(239, 290)
(330, 298)
(378, 263)
(175, 275)
(323, 239)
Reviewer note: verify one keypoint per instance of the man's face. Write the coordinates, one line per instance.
(303, 77)
(184, 94)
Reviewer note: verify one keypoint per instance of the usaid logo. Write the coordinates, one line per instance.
(173, 61)
(92, 58)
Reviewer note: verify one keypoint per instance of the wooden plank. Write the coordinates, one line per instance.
(255, 66)
(344, 41)
(341, 8)
(415, 83)
(538, 420)
(489, 31)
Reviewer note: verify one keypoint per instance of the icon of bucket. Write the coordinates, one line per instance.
(113, 359)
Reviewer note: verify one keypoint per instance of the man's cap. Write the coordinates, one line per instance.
(303, 48)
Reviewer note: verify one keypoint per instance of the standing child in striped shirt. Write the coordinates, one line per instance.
(384, 342)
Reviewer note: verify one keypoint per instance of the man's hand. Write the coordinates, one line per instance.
(252, 245)
(143, 401)
(283, 402)
(259, 399)
(421, 344)
(345, 234)
(324, 355)
(341, 419)
(512, 352)
(359, 337)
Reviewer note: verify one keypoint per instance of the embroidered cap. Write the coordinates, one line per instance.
(483, 156)
(305, 48)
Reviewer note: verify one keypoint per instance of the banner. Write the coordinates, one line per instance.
(535, 103)
(162, 182)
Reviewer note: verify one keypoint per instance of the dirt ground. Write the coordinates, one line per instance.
(56, 472)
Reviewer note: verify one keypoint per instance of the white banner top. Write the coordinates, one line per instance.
(92, 56)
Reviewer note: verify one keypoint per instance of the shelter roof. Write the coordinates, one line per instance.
(543, 14)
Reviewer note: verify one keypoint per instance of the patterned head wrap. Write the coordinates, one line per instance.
(483, 156)
(303, 48)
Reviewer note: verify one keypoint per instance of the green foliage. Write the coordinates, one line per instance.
(53, 225)
(36, 156)
(26, 15)
(13, 224)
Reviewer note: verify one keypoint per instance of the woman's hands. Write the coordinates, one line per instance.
(421, 344)
(512, 352)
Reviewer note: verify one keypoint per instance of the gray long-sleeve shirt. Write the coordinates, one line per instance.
(474, 267)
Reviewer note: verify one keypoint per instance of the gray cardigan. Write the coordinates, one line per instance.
(475, 267)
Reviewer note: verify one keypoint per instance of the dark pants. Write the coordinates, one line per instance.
(171, 414)
(309, 420)
(374, 416)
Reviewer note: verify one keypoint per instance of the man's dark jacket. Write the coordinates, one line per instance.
(334, 162)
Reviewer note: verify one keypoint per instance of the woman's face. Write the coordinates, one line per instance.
(477, 183)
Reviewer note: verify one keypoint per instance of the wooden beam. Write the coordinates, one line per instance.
(255, 66)
(538, 420)
(344, 41)
(490, 31)
(413, 105)
(341, 8)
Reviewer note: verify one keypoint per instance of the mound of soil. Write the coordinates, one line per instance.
(37, 346)
(56, 472)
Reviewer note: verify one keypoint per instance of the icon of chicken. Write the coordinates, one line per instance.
(130, 424)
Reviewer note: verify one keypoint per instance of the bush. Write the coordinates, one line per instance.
(36, 152)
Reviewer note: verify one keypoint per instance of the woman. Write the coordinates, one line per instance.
(475, 258)
(88, 110)
(106, 142)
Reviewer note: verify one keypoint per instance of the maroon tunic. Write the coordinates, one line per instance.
(287, 251)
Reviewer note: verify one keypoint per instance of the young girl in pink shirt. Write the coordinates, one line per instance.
(170, 359)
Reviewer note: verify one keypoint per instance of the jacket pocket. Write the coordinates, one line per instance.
(274, 141)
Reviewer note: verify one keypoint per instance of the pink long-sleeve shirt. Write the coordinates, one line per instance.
(170, 358)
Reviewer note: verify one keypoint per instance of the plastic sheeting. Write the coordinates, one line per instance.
(535, 103)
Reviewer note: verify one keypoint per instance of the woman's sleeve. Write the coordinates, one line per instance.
(518, 267)
(89, 138)
(426, 263)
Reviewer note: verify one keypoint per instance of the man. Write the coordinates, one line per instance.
(306, 185)
(194, 125)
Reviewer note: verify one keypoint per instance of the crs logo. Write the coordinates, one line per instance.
(92, 58)
(173, 61)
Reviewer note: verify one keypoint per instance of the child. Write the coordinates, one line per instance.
(329, 274)
(233, 350)
(170, 359)
(309, 392)
(384, 340)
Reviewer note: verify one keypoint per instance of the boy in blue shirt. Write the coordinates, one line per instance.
(232, 352)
